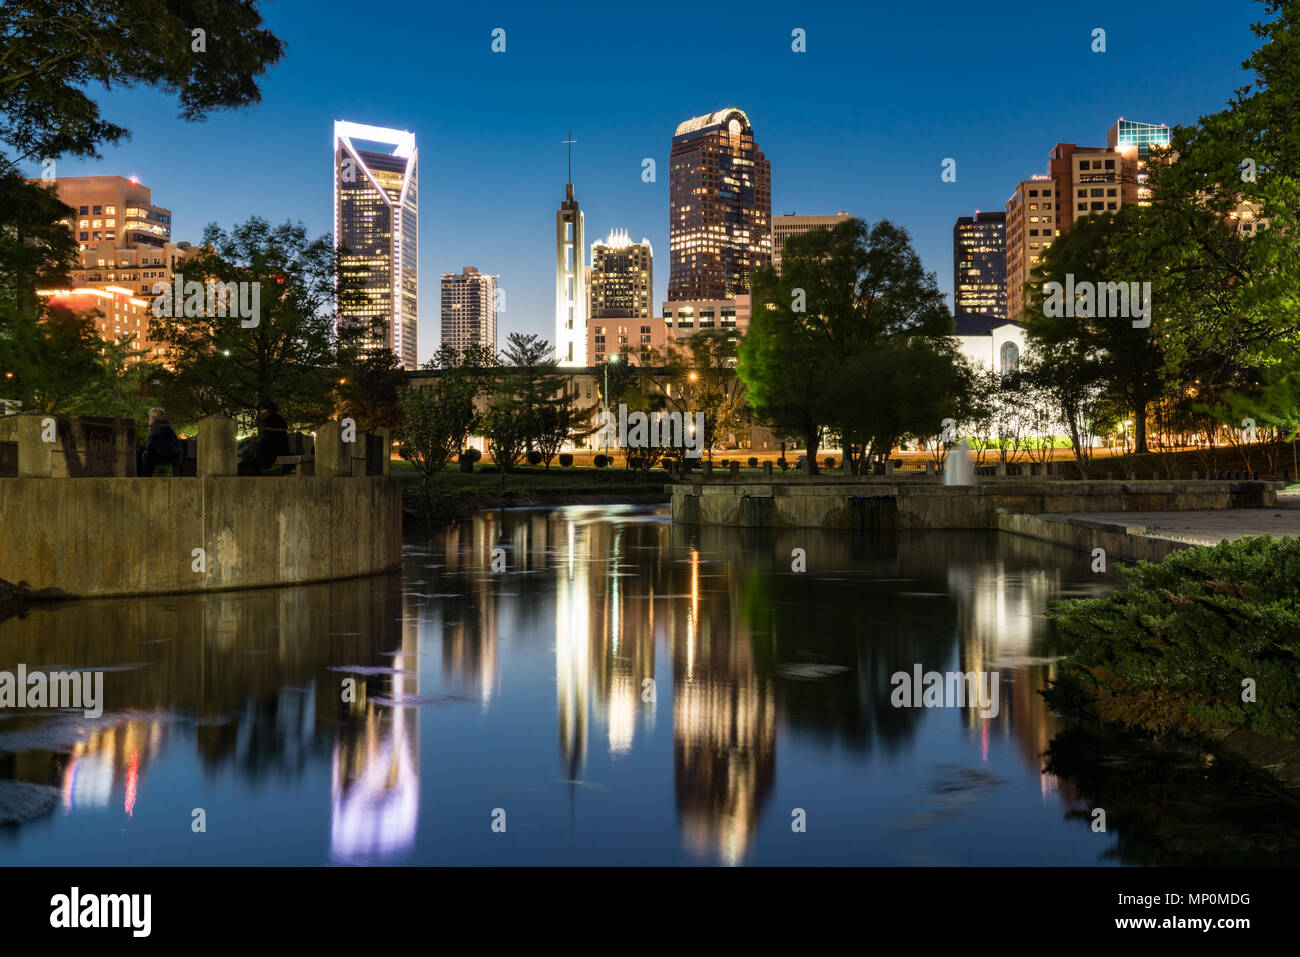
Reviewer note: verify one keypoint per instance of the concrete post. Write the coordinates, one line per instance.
(332, 455)
(889, 468)
(735, 469)
(356, 453)
(929, 469)
(35, 455)
(706, 469)
(217, 446)
(1001, 471)
(385, 449)
(1195, 475)
(767, 471)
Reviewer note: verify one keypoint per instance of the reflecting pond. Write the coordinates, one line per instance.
(592, 685)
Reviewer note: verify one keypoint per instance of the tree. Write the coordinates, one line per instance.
(49, 360)
(851, 304)
(430, 433)
(371, 382)
(51, 51)
(531, 380)
(698, 374)
(507, 435)
(231, 364)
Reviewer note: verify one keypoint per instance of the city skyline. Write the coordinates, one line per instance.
(495, 181)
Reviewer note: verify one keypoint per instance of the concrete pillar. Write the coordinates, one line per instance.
(217, 446)
(767, 470)
(35, 455)
(1195, 475)
(1001, 470)
(889, 468)
(706, 469)
(929, 469)
(356, 452)
(807, 466)
(332, 453)
(385, 449)
(734, 469)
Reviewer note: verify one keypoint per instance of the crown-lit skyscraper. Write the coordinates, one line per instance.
(622, 277)
(376, 208)
(719, 207)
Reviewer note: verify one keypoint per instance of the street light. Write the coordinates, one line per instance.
(605, 398)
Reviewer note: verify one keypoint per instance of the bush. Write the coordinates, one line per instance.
(753, 462)
(783, 463)
(566, 459)
(489, 470)
(667, 464)
(534, 457)
(471, 455)
(726, 463)
(1169, 652)
(830, 462)
(600, 461)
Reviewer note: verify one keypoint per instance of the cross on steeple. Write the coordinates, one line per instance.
(570, 141)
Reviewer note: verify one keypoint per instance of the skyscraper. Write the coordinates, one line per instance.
(570, 283)
(622, 277)
(719, 207)
(979, 264)
(785, 227)
(376, 208)
(1135, 140)
(469, 309)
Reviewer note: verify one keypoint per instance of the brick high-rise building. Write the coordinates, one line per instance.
(719, 207)
(124, 247)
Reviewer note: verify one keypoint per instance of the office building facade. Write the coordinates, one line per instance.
(376, 226)
(719, 207)
(622, 277)
(979, 264)
(784, 227)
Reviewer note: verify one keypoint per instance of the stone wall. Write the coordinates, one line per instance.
(913, 504)
(135, 536)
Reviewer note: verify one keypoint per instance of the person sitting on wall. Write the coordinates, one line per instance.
(272, 435)
(163, 447)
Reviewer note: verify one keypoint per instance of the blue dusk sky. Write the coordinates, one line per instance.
(860, 122)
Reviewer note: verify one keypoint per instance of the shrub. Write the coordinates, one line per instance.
(753, 462)
(830, 462)
(667, 464)
(471, 455)
(1170, 650)
(783, 463)
(566, 459)
(534, 457)
(489, 470)
(726, 463)
(600, 461)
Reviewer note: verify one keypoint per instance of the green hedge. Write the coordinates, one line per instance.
(1170, 651)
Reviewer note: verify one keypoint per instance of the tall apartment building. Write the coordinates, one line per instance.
(783, 227)
(622, 277)
(719, 207)
(1031, 227)
(376, 213)
(979, 264)
(469, 309)
(125, 246)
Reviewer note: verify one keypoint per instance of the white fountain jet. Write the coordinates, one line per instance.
(959, 469)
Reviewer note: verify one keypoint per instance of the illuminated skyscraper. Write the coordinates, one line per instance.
(622, 277)
(979, 264)
(570, 283)
(719, 208)
(376, 207)
(469, 309)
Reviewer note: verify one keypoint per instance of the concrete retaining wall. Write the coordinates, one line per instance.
(1119, 543)
(910, 504)
(131, 536)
